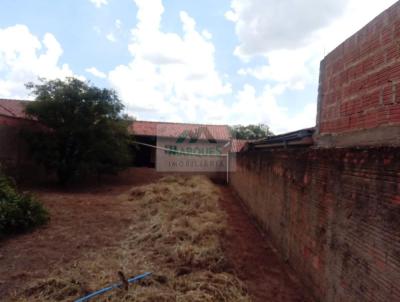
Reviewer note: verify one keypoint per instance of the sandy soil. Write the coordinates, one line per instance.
(85, 219)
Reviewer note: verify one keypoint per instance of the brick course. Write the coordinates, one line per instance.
(360, 80)
(333, 214)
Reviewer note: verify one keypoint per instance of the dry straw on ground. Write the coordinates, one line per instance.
(176, 236)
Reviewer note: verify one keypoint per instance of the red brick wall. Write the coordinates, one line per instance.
(360, 79)
(333, 214)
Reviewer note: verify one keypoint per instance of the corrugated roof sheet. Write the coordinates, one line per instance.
(175, 130)
(13, 108)
(299, 137)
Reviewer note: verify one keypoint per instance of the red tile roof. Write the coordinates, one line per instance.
(174, 130)
(237, 145)
(16, 109)
(13, 108)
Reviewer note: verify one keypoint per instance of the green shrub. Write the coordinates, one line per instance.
(18, 212)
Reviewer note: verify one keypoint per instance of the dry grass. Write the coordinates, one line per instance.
(176, 236)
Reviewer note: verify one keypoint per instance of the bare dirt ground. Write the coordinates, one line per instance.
(82, 220)
(85, 220)
(254, 259)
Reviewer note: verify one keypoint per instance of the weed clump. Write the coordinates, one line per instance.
(18, 212)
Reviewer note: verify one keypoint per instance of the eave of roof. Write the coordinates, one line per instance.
(302, 137)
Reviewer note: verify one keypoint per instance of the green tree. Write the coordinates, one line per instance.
(250, 131)
(84, 131)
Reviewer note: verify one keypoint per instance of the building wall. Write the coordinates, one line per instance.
(333, 214)
(144, 156)
(360, 86)
(14, 155)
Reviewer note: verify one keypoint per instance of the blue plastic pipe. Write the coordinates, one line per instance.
(111, 287)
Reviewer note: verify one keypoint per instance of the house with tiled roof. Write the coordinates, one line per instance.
(152, 136)
(174, 130)
(191, 138)
(13, 151)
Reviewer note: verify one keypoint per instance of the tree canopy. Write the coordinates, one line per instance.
(250, 132)
(85, 130)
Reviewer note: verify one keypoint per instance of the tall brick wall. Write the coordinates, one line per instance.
(334, 215)
(360, 86)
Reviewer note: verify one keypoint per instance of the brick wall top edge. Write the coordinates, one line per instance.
(331, 55)
(383, 150)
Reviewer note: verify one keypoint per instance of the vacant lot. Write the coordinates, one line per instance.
(193, 236)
